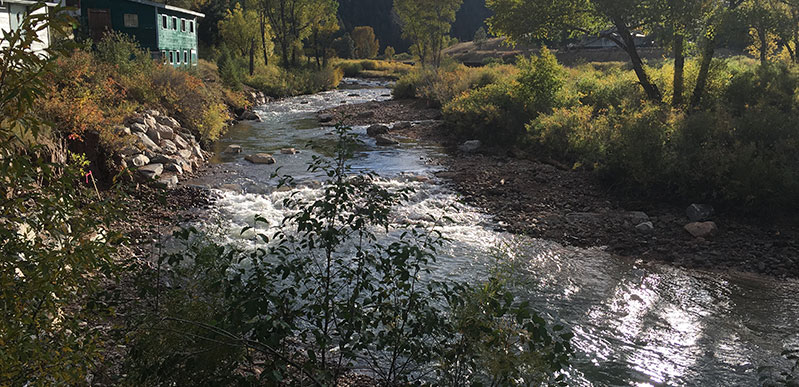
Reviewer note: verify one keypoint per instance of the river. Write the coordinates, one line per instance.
(635, 323)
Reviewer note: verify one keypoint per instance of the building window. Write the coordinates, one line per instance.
(163, 56)
(192, 59)
(174, 23)
(164, 23)
(171, 57)
(183, 25)
(131, 20)
(191, 26)
(186, 57)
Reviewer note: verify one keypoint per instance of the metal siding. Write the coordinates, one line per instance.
(145, 34)
(177, 40)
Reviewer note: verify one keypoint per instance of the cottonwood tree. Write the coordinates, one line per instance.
(719, 13)
(240, 34)
(427, 24)
(679, 22)
(366, 44)
(323, 24)
(530, 20)
(292, 22)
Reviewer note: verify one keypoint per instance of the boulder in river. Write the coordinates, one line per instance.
(233, 149)
(470, 146)
(377, 130)
(701, 229)
(699, 212)
(288, 151)
(382, 140)
(249, 116)
(260, 158)
(325, 118)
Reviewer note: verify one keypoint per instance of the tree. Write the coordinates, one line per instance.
(767, 21)
(532, 20)
(426, 24)
(293, 21)
(239, 34)
(480, 37)
(366, 44)
(389, 53)
(344, 46)
(716, 16)
(678, 22)
(324, 24)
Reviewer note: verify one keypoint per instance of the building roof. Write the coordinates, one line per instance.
(27, 2)
(167, 7)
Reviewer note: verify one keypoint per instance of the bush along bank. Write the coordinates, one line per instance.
(123, 110)
(736, 149)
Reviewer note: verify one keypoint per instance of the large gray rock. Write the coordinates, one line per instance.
(325, 118)
(288, 151)
(185, 154)
(174, 167)
(169, 147)
(149, 121)
(165, 132)
(233, 149)
(645, 227)
(377, 130)
(197, 151)
(154, 134)
(139, 160)
(152, 112)
(470, 146)
(167, 121)
(138, 127)
(151, 171)
(699, 212)
(701, 229)
(385, 141)
(148, 143)
(181, 143)
(402, 125)
(249, 116)
(260, 158)
(168, 182)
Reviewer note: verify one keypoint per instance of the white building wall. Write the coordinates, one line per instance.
(6, 25)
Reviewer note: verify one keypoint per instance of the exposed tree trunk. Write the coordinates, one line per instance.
(263, 38)
(761, 34)
(704, 69)
(628, 44)
(679, 70)
(252, 56)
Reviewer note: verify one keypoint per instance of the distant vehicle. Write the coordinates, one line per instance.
(603, 42)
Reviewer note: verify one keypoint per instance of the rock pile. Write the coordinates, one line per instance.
(162, 149)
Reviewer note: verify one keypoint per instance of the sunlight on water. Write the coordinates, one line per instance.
(635, 324)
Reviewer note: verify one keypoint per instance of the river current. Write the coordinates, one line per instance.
(635, 323)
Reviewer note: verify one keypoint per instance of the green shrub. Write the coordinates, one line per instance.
(494, 114)
(540, 81)
(406, 87)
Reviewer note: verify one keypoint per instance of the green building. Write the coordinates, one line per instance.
(170, 33)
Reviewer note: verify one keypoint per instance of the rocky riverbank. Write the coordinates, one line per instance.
(543, 199)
